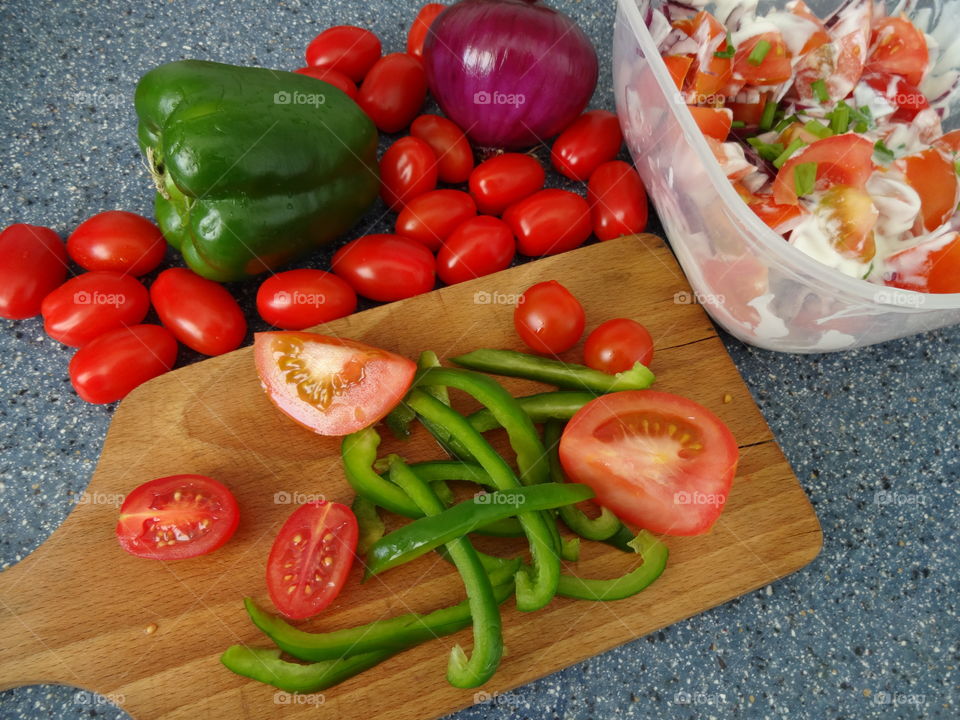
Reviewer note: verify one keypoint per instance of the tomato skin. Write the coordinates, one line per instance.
(841, 160)
(298, 299)
(479, 246)
(91, 304)
(931, 267)
(421, 26)
(775, 67)
(618, 201)
(749, 113)
(678, 66)
(325, 533)
(331, 77)
(408, 169)
(164, 501)
(386, 267)
(119, 241)
(548, 318)
(449, 144)
(201, 313)
(713, 122)
(591, 140)
(505, 179)
(898, 47)
(549, 222)
(33, 263)
(111, 365)
(935, 180)
(431, 217)
(617, 345)
(393, 92)
(350, 50)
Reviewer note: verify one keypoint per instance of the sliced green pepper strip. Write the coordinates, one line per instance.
(359, 452)
(533, 592)
(484, 609)
(570, 549)
(370, 524)
(400, 418)
(555, 372)
(621, 539)
(560, 405)
(266, 666)
(654, 555)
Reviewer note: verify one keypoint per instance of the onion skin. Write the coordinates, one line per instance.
(511, 73)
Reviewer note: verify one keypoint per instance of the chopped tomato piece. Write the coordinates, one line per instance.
(749, 113)
(931, 267)
(830, 72)
(850, 218)
(901, 94)
(714, 122)
(679, 66)
(777, 217)
(819, 36)
(711, 78)
(950, 142)
(935, 180)
(898, 47)
(841, 160)
(763, 60)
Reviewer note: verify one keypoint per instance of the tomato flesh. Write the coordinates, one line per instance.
(931, 267)
(898, 47)
(841, 160)
(935, 180)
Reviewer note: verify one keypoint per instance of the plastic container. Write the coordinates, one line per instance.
(753, 283)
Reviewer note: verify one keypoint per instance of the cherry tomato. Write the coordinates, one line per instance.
(330, 385)
(933, 266)
(479, 246)
(346, 49)
(935, 180)
(177, 517)
(298, 299)
(201, 313)
(617, 345)
(549, 222)
(449, 144)
(421, 26)
(618, 201)
(431, 217)
(505, 179)
(713, 122)
(678, 66)
(763, 60)
(841, 160)
(898, 47)
(593, 139)
(657, 460)
(408, 169)
(116, 240)
(386, 267)
(311, 557)
(548, 318)
(91, 304)
(394, 91)
(111, 365)
(33, 263)
(332, 77)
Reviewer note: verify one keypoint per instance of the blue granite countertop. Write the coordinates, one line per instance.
(868, 630)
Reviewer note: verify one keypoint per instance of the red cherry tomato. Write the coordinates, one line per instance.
(346, 49)
(111, 365)
(548, 318)
(298, 299)
(408, 169)
(478, 247)
(503, 180)
(177, 517)
(617, 345)
(618, 201)
(449, 144)
(549, 222)
(421, 26)
(91, 304)
(33, 263)
(116, 240)
(332, 77)
(393, 92)
(593, 138)
(386, 267)
(201, 313)
(311, 557)
(431, 217)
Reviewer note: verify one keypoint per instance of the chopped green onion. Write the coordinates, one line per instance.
(805, 178)
(819, 88)
(769, 113)
(786, 122)
(768, 151)
(840, 118)
(738, 124)
(785, 155)
(729, 52)
(863, 117)
(867, 273)
(819, 129)
(759, 52)
(883, 154)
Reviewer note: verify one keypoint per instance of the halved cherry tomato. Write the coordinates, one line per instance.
(548, 318)
(908, 99)
(931, 267)
(177, 517)
(408, 169)
(116, 240)
(505, 179)
(393, 92)
(839, 63)
(33, 263)
(850, 217)
(332, 77)
(617, 345)
(713, 122)
(841, 160)
(385, 267)
(549, 222)
(935, 180)
(777, 217)
(311, 557)
(477, 247)
(449, 144)
(659, 461)
(111, 365)
(298, 299)
(91, 304)
(772, 69)
(201, 313)
(591, 140)
(678, 66)
(618, 201)
(431, 217)
(330, 385)
(898, 47)
(421, 26)
(345, 48)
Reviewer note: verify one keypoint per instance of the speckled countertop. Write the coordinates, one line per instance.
(868, 630)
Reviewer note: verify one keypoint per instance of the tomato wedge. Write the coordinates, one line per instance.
(933, 266)
(763, 60)
(713, 122)
(898, 47)
(311, 557)
(841, 160)
(177, 517)
(935, 180)
(330, 385)
(657, 460)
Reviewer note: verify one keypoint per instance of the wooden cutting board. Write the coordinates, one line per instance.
(77, 610)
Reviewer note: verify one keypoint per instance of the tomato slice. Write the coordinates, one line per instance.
(841, 160)
(311, 557)
(932, 266)
(657, 460)
(898, 47)
(935, 180)
(177, 517)
(713, 122)
(763, 60)
(330, 385)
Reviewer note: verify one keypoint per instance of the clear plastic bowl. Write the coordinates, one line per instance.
(754, 284)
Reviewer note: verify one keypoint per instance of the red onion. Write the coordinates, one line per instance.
(511, 73)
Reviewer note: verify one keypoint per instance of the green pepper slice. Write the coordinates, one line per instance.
(654, 555)
(371, 527)
(560, 405)
(265, 665)
(359, 453)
